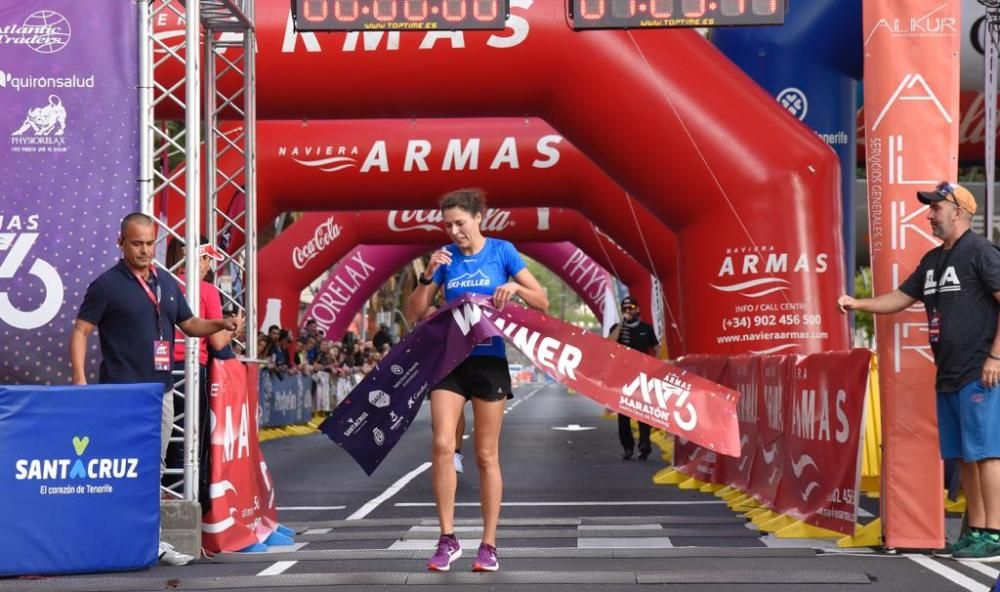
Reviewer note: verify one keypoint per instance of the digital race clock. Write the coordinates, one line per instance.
(399, 15)
(638, 14)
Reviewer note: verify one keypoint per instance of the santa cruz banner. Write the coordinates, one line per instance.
(370, 421)
(801, 419)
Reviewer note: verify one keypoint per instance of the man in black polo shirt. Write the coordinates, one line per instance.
(135, 309)
(959, 284)
(638, 335)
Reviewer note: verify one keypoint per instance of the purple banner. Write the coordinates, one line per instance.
(370, 420)
(68, 165)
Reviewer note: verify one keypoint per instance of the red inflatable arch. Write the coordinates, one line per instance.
(750, 191)
(539, 167)
(318, 240)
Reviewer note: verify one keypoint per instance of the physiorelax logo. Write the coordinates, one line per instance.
(43, 31)
(43, 128)
(61, 474)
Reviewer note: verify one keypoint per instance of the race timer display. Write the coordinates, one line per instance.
(639, 14)
(399, 15)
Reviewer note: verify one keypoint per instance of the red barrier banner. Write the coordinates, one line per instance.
(624, 380)
(824, 423)
(911, 59)
(777, 383)
(690, 458)
(242, 510)
(741, 374)
(801, 421)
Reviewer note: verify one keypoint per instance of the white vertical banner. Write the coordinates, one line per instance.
(658, 313)
(609, 312)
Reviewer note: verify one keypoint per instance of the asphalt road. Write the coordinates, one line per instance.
(575, 518)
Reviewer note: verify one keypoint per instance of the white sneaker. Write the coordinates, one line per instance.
(458, 462)
(170, 556)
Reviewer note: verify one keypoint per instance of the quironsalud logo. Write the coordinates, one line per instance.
(56, 470)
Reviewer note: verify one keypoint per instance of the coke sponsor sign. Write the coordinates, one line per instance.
(325, 234)
(495, 220)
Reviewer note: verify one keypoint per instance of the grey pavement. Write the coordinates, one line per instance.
(576, 518)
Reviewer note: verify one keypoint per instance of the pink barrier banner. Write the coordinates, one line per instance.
(242, 510)
(801, 421)
(353, 281)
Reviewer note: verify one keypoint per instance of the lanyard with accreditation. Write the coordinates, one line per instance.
(161, 347)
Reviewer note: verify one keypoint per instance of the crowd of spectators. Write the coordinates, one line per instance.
(310, 352)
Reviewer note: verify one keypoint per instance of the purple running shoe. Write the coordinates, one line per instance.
(448, 550)
(486, 559)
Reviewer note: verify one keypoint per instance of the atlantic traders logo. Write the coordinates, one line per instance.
(931, 24)
(65, 469)
(18, 235)
(43, 31)
(423, 156)
(42, 129)
(469, 280)
(742, 263)
(495, 220)
(662, 398)
(323, 237)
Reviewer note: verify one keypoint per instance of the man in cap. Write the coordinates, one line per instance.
(633, 332)
(959, 284)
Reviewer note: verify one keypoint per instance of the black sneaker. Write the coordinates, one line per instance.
(644, 453)
(627, 455)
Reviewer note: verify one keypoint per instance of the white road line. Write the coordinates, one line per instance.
(948, 573)
(309, 508)
(557, 504)
(393, 490)
(318, 531)
(982, 568)
(279, 567)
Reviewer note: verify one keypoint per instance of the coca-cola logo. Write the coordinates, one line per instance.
(495, 220)
(323, 237)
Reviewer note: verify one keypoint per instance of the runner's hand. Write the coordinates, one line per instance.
(504, 293)
(440, 257)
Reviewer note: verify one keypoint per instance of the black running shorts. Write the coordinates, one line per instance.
(484, 377)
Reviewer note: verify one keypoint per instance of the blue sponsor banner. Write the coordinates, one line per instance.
(811, 66)
(79, 478)
(69, 156)
(285, 399)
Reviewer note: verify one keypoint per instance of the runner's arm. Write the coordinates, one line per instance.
(531, 291)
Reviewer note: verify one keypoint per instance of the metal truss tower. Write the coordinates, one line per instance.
(181, 160)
